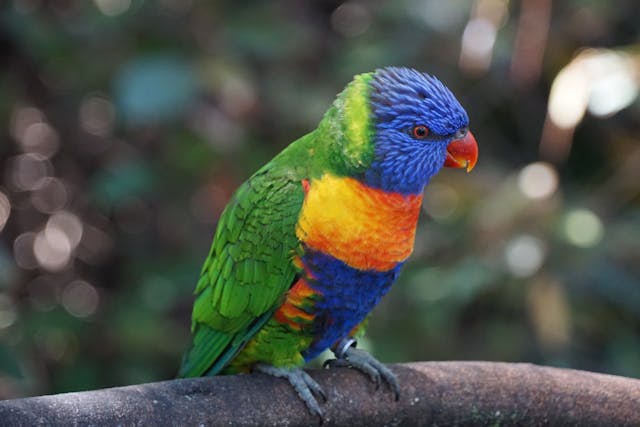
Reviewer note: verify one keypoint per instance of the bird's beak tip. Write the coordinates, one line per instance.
(462, 153)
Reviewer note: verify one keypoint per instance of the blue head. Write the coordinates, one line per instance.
(415, 118)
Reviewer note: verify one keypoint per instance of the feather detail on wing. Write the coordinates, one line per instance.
(248, 270)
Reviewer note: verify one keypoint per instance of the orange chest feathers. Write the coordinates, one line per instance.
(367, 228)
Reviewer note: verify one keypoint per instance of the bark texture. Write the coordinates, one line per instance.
(433, 393)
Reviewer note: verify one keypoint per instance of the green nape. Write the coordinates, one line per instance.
(345, 134)
(343, 142)
(357, 121)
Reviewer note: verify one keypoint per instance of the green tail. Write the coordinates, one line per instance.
(212, 350)
(208, 344)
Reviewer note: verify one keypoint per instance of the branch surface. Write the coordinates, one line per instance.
(433, 393)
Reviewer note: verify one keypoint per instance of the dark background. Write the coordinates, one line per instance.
(126, 126)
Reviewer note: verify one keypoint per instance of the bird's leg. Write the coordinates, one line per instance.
(348, 355)
(303, 384)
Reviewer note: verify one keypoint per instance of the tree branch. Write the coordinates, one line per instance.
(442, 393)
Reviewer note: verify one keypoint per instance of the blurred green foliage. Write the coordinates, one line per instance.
(128, 124)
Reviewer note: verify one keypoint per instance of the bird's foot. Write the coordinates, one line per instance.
(306, 387)
(347, 355)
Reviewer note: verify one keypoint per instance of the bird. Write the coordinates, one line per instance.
(310, 243)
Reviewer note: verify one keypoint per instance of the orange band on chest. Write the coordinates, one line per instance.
(366, 228)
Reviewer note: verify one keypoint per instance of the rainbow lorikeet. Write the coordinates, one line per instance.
(311, 242)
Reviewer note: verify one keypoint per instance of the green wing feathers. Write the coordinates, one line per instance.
(248, 269)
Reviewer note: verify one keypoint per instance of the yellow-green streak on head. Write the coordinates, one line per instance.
(357, 120)
(345, 134)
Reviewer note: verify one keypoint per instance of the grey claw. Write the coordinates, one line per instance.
(322, 394)
(369, 365)
(302, 383)
(371, 371)
(313, 386)
(388, 376)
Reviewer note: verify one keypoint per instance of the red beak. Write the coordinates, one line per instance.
(462, 153)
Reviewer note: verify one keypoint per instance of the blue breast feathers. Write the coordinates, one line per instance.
(348, 295)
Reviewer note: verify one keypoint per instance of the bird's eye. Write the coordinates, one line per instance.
(420, 132)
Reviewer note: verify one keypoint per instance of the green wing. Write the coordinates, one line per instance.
(248, 269)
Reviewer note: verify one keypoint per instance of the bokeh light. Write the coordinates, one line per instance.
(33, 133)
(480, 34)
(67, 223)
(568, 98)
(441, 201)
(22, 118)
(80, 298)
(438, 15)
(615, 82)
(524, 255)
(583, 228)
(8, 314)
(478, 40)
(51, 195)
(53, 246)
(350, 19)
(27, 172)
(40, 138)
(97, 115)
(23, 251)
(538, 180)
(112, 7)
(52, 249)
(601, 80)
(5, 209)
